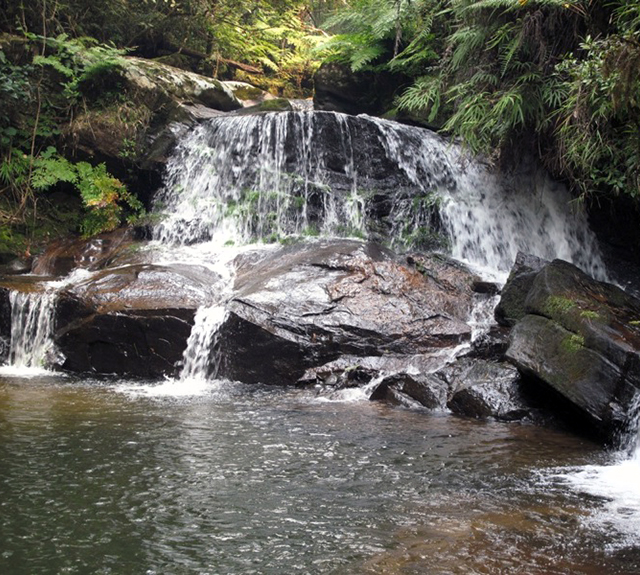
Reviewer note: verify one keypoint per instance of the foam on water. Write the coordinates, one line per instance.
(615, 485)
(172, 388)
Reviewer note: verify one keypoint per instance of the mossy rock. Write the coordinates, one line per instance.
(581, 337)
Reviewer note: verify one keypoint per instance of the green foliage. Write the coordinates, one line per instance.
(104, 197)
(270, 38)
(599, 121)
(380, 34)
(40, 95)
(558, 76)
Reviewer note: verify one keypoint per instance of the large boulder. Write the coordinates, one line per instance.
(511, 306)
(306, 305)
(135, 137)
(163, 99)
(582, 338)
(133, 320)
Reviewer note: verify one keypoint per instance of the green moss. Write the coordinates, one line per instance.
(589, 314)
(573, 343)
(558, 305)
(247, 92)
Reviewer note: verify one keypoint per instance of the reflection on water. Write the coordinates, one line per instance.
(110, 477)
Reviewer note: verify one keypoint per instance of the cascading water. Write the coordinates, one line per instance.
(265, 177)
(238, 179)
(615, 484)
(32, 317)
(202, 344)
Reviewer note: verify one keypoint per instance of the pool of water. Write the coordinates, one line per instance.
(114, 477)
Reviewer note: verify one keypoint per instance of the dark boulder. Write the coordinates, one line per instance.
(582, 338)
(5, 323)
(306, 305)
(144, 343)
(470, 387)
(486, 389)
(427, 390)
(133, 320)
(511, 308)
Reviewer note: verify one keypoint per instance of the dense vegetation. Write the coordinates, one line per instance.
(556, 78)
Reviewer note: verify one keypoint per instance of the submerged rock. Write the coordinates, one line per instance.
(582, 338)
(482, 389)
(428, 390)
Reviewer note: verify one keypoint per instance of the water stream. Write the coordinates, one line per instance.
(272, 176)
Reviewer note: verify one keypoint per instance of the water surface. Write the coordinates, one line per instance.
(124, 478)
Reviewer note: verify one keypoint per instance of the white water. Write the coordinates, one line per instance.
(231, 181)
(32, 318)
(266, 177)
(200, 359)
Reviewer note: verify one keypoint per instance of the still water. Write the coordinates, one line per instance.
(177, 478)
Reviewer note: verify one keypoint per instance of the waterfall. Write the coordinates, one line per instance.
(267, 177)
(200, 358)
(32, 321)
(237, 179)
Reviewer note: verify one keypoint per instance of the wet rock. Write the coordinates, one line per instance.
(144, 343)
(471, 387)
(17, 266)
(492, 344)
(306, 305)
(582, 338)
(5, 318)
(427, 390)
(5, 346)
(378, 365)
(148, 287)
(63, 256)
(485, 389)
(134, 320)
(511, 307)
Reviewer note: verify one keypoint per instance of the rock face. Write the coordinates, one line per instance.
(5, 323)
(582, 338)
(164, 98)
(293, 309)
(308, 305)
(338, 89)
